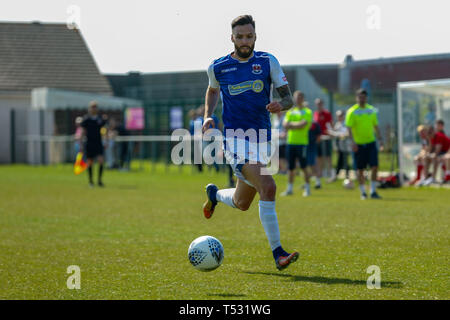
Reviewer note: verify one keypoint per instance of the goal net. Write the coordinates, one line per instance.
(419, 102)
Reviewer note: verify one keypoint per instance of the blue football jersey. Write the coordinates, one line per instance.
(246, 89)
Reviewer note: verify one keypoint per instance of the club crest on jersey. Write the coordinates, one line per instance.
(254, 85)
(256, 68)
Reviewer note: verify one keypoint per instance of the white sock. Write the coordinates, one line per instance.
(373, 185)
(317, 181)
(269, 220)
(362, 189)
(307, 187)
(226, 196)
(290, 187)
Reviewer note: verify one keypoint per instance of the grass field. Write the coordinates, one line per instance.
(130, 239)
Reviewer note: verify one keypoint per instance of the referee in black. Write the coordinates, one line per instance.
(93, 146)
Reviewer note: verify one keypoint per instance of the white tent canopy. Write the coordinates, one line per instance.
(52, 99)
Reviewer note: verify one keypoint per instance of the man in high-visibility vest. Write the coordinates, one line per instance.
(362, 122)
(297, 122)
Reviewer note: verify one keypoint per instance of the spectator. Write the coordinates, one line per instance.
(314, 133)
(362, 122)
(198, 138)
(277, 123)
(192, 116)
(343, 144)
(439, 144)
(78, 135)
(110, 144)
(124, 159)
(447, 166)
(420, 159)
(297, 122)
(325, 120)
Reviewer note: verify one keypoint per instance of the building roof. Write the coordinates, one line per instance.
(47, 55)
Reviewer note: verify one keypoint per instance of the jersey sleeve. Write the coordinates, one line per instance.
(349, 119)
(276, 73)
(316, 116)
(375, 117)
(287, 116)
(213, 83)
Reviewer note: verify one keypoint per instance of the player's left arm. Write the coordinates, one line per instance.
(285, 103)
(377, 130)
(280, 82)
(379, 137)
(297, 124)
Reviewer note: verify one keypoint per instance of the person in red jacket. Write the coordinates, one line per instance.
(324, 148)
(440, 145)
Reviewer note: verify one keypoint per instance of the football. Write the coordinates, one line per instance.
(206, 253)
(348, 184)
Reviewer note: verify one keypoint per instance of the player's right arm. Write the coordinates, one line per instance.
(211, 99)
(296, 124)
(349, 125)
(350, 135)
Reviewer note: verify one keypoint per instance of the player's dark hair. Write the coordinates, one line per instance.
(242, 21)
(440, 121)
(361, 91)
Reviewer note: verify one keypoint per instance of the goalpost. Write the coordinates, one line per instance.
(419, 102)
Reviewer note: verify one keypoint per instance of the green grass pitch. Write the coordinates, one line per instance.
(130, 239)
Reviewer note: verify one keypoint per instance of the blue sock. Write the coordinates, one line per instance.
(213, 194)
(277, 252)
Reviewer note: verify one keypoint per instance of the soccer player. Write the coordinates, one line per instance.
(92, 124)
(297, 123)
(325, 120)
(243, 79)
(362, 122)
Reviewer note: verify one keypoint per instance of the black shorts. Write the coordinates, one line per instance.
(367, 155)
(282, 151)
(93, 150)
(324, 148)
(294, 152)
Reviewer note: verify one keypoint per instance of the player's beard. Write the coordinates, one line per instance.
(244, 55)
